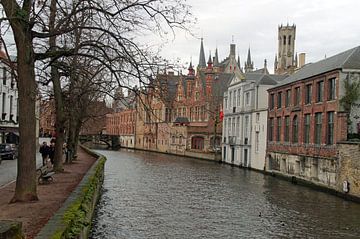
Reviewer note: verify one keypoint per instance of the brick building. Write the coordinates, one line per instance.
(182, 113)
(122, 124)
(47, 118)
(306, 119)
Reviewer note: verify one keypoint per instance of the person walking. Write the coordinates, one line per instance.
(44, 151)
(52, 152)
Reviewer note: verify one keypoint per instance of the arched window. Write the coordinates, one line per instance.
(295, 129)
(289, 40)
(284, 40)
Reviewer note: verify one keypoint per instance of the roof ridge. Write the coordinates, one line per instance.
(351, 54)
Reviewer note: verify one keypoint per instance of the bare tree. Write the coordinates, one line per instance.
(112, 36)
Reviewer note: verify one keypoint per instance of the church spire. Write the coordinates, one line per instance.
(191, 69)
(238, 62)
(216, 58)
(249, 57)
(249, 65)
(202, 62)
(209, 63)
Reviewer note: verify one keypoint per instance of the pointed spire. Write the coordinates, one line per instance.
(191, 69)
(249, 57)
(275, 63)
(238, 62)
(216, 58)
(249, 65)
(210, 60)
(265, 63)
(202, 62)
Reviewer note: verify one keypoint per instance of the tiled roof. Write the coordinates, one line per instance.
(349, 59)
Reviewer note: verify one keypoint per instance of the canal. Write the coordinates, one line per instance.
(150, 195)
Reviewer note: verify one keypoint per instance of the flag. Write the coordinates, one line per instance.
(221, 115)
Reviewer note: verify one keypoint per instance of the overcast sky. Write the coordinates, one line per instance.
(323, 27)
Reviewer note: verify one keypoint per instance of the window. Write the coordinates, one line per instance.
(307, 129)
(237, 133)
(233, 126)
(234, 99)
(278, 131)
(331, 88)
(197, 143)
(272, 98)
(279, 100)
(230, 97)
(271, 129)
(330, 128)
(295, 130)
(289, 40)
(287, 128)
(257, 142)
(226, 103)
(319, 91)
(4, 76)
(3, 102)
(197, 96)
(173, 139)
(297, 96)
(246, 130)
(239, 97)
(284, 40)
(308, 94)
(318, 125)
(288, 98)
(247, 98)
(184, 112)
(180, 139)
(257, 117)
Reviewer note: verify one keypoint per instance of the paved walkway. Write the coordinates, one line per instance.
(34, 215)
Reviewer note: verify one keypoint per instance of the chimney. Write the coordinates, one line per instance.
(301, 59)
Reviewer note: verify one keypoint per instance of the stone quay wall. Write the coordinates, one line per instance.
(73, 219)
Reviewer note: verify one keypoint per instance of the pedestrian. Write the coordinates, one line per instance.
(52, 152)
(44, 150)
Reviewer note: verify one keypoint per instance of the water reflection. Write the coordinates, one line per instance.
(149, 195)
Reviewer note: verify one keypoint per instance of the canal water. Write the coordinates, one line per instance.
(150, 195)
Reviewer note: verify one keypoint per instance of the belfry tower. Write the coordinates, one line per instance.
(285, 59)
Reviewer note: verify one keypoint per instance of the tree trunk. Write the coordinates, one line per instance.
(71, 139)
(59, 102)
(77, 134)
(26, 174)
(60, 120)
(25, 189)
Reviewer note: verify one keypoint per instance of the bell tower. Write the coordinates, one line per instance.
(285, 59)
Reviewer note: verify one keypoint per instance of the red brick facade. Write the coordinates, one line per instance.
(47, 118)
(121, 123)
(316, 99)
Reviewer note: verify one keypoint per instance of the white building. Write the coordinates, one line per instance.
(245, 119)
(8, 104)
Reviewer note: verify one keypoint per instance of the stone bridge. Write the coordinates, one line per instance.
(111, 141)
